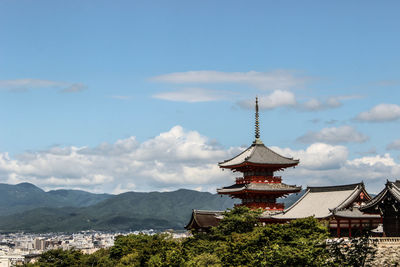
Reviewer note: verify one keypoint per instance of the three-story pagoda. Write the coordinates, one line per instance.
(258, 187)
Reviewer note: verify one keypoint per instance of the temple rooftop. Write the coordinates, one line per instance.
(259, 154)
(323, 202)
(263, 187)
(391, 189)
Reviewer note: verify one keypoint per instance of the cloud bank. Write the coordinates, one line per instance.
(274, 80)
(180, 158)
(380, 113)
(334, 135)
(193, 95)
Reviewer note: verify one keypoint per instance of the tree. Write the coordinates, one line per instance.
(61, 258)
(240, 219)
(238, 240)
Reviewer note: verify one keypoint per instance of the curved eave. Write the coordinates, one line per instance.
(364, 216)
(259, 155)
(246, 191)
(295, 218)
(370, 206)
(352, 197)
(248, 163)
(191, 222)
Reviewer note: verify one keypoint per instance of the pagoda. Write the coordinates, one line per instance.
(258, 187)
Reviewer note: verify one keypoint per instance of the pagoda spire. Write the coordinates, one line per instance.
(257, 124)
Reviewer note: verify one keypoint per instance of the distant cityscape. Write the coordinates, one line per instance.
(20, 248)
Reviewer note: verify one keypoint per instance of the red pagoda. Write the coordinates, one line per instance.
(258, 187)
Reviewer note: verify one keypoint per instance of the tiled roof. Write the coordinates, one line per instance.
(391, 188)
(258, 153)
(204, 219)
(355, 213)
(321, 201)
(268, 187)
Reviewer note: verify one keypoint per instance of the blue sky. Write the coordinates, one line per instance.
(79, 79)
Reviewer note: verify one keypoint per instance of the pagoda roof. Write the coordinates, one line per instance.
(322, 202)
(391, 189)
(259, 154)
(259, 187)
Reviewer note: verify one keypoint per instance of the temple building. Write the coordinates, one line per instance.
(387, 204)
(258, 187)
(339, 206)
(203, 220)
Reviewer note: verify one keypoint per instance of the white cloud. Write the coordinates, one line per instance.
(380, 113)
(182, 159)
(192, 95)
(385, 160)
(318, 156)
(173, 159)
(274, 80)
(334, 135)
(276, 99)
(395, 145)
(283, 98)
(322, 164)
(23, 85)
(315, 104)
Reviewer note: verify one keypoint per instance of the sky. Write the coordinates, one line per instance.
(116, 96)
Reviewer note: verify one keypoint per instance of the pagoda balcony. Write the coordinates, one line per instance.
(263, 205)
(259, 179)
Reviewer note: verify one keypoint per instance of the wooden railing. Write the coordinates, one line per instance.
(259, 179)
(263, 205)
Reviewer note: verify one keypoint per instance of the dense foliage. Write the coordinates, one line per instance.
(239, 240)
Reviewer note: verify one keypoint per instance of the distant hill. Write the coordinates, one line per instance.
(25, 196)
(291, 199)
(73, 210)
(127, 211)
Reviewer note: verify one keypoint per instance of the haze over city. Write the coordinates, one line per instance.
(149, 96)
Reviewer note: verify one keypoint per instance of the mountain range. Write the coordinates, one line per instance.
(26, 207)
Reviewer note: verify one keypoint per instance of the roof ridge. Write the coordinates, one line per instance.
(376, 199)
(209, 211)
(279, 154)
(236, 155)
(334, 187)
(353, 195)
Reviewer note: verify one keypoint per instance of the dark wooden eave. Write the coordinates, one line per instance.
(391, 189)
(271, 188)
